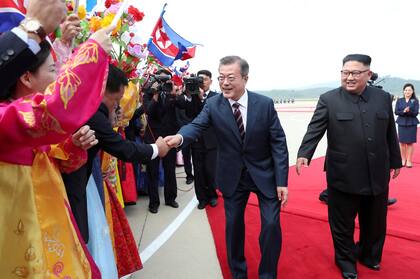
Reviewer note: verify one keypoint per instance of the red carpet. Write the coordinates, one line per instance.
(307, 250)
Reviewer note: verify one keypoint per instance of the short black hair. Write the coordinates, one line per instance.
(116, 78)
(204, 72)
(362, 58)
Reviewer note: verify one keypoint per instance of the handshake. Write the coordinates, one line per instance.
(167, 143)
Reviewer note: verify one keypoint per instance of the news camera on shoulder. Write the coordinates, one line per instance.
(160, 82)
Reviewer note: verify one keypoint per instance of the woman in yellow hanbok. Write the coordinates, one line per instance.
(37, 235)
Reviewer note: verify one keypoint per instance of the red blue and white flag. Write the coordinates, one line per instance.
(166, 45)
(12, 12)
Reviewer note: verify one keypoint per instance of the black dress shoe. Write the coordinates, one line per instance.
(349, 275)
(153, 210)
(201, 205)
(190, 180)
(391, 201)
(213, 202)
(375, 267)
(173, 204)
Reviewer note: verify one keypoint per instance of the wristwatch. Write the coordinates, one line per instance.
(31, 25)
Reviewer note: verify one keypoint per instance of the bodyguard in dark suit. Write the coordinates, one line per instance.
(204, 148)
(362, 149)
(252, 157)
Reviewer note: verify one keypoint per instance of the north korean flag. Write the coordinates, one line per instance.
(167, 46)
(12, 12)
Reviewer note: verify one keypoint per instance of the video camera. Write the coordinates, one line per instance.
(193, 84)
(373, 81)
(163, 84)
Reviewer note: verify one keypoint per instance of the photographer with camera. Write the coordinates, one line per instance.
(204, 149)
(160, 103)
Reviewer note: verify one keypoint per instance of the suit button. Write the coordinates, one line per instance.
(370, 139)
(371, 154)
(10, 52)
(367, 125)
(1, 62)
(364, 111)
(5, 57)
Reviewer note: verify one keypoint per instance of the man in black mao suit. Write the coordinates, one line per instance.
(252, 157)
(362, 149)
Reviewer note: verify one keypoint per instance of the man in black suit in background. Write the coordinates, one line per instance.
(110, 142)
(204, 149)
(160, 104)
(362, 150)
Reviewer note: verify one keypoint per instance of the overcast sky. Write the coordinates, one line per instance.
(295, 43)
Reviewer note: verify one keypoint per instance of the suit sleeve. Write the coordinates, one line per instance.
(393, 145)
(316, 129)
(19, 58)
(399, 109)
(194, 130)
(113, 143)
(414, 108)
(278, 148)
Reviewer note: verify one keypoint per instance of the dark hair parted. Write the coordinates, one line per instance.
(41, 57)
(116, 79)
(362, 58)
(412, 87)
(232, 59)
(204, 72)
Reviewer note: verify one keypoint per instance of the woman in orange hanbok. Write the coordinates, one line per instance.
(37, 236)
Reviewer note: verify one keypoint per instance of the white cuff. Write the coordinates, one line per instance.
(155, 151)
(32, 44)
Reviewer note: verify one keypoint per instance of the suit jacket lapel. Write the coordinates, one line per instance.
(227, 110)
(251, 116)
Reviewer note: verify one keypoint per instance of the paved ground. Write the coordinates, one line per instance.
(189, 252)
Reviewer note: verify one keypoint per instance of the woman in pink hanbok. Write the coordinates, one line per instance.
(37, 236)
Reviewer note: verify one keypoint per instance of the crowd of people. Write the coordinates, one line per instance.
(68, 166)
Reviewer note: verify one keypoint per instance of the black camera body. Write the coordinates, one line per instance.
(163, 84)
(372, 82)
(193, 84)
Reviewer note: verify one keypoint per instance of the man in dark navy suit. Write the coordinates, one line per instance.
(252, 157)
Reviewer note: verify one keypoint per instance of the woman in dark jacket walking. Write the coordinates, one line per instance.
(407, 109)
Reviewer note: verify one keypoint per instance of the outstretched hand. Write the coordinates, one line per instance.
(173, 141)
(163, 148)
(299, 163)
(103, 38)
(84, 138)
